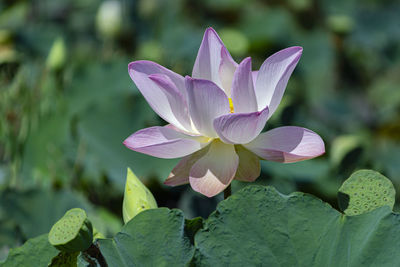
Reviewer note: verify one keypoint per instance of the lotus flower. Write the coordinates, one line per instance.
(216, 117)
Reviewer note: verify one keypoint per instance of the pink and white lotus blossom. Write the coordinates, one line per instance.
(216, 117)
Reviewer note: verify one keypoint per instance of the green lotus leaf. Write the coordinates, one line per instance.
(155, 237)
(35, 252)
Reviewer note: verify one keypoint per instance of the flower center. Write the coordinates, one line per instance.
(232, 110)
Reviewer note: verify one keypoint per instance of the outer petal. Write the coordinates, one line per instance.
(180, 174)
(212, 173)
(249, 168)
(287, 144)
(163, 142)
(208, 59)
(175, 98)
(206, 102)
(227, 70)
(243, 96)
(158, 97)
(274, 75)
(240, 128)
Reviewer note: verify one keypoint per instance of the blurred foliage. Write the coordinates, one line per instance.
(67, 102)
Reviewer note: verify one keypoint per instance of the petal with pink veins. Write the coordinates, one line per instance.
(159, 98)
(243, 95)
(208, 60)
(240, 128)
(180, 173)
(287, 144)
(227, 70)
(176, 100)
(273, 77)
(206, 102)
(213, 172)
(249, 168)
(163, 142)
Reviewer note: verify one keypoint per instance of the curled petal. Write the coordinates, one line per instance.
(160, 98)
(240, 128)
(273, 76)
(206, 102)
(213, 172)
(208, 61)
(287, 144)
(163, 142)
(249, 168)
(243, 96)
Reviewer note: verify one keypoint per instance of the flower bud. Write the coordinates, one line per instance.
(109, 19)
(57, 55)
(137, 197)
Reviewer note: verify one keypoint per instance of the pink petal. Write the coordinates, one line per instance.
(206, 102)
(243, 96)
(273, 76)
(159, 98)
(254, 74)
(287, 144)
(240, 128)
(249, 168)
(227, 70)
(180, 174)
(163, 142)
(176, 100)
(212, 173)
(208, 59)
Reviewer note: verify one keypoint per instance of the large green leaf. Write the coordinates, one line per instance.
(259, 226)
(35, 252)
(154, 237)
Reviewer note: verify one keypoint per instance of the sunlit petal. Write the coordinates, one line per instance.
(243, 96)
(163, 142)
(273, 77)
(240, 128)
(161, 99)
(212, 173)
(287, 144)
(206, 102)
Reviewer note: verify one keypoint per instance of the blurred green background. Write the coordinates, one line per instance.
(67, 102)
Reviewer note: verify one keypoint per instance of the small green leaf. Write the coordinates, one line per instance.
(365, 191)
(73, 232)
(35, 252)
(137, 197)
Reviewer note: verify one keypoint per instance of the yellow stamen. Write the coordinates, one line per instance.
(231, 105)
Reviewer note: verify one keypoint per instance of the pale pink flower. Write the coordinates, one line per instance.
(217, 115)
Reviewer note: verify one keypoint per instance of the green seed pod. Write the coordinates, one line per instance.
(73, 232)
(365, 191)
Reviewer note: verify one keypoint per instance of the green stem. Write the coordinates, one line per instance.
(227, 192)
